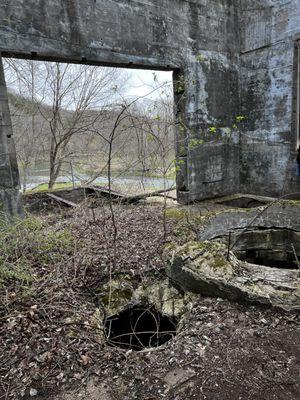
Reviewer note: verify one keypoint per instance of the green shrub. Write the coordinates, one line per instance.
(27, 245)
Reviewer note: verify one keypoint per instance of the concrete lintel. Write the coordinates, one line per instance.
(101, 58)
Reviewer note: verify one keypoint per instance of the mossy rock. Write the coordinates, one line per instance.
(281, 215)
(208, 269)
(115, 295)
(203, 255)
(165, 297)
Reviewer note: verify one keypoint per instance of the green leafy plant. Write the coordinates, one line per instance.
(194, 143)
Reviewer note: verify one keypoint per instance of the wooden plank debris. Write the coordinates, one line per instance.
(60, 200)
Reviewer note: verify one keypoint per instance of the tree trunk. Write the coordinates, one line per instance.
(53, 173)
(25, 175)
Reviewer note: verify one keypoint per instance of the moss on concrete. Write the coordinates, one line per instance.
(202, 267)
(201, 256)
(115, 295)
(292, 202)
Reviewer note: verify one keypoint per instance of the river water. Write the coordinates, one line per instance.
(139, 183)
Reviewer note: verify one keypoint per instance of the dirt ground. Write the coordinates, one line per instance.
(48, 348)
(224, 351)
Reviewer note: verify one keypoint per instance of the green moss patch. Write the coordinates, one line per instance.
(28, 245)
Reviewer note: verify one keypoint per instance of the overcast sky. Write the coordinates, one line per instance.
(142, 82)
(148, 84)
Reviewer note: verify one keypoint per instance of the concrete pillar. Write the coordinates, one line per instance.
(10, 196)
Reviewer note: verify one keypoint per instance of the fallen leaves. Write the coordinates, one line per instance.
(48, 340)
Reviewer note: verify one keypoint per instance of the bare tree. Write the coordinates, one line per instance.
(28, 126)
(66, 97)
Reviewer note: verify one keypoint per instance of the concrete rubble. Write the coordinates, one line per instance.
(212, 266)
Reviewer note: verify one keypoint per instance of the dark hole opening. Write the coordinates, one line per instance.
(269, 247)
(269, 259)
(242, 202)
(138, 328)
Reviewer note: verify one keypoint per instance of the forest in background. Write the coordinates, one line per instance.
(77, 117)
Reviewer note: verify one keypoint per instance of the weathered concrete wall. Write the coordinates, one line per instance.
(229, 57)
(106, 31)
(211, 98)
(166, 34)
(10, 198)
(268, 141)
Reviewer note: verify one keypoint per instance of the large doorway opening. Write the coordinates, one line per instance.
(76, 123)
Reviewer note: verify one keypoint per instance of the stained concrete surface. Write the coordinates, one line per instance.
(229, 58)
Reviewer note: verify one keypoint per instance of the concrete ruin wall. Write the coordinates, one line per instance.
(268, 143)
(10, 198)
(229, 57)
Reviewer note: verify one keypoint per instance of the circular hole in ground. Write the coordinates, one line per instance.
(276, 248)
(139, 327)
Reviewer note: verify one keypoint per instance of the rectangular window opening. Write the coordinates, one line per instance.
(71, 121)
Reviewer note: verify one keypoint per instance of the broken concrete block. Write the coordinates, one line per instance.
(203, 267)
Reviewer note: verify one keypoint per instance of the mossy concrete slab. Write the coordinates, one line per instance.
(203, 267)
(282, 215)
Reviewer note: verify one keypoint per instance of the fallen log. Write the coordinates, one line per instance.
(138, 197)
(105, 192)
(167, 196)
(60, 200)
